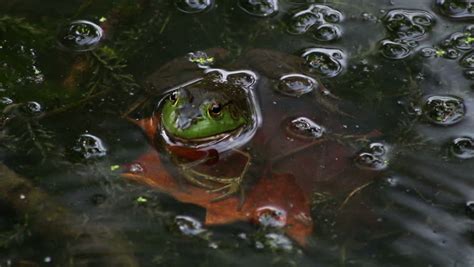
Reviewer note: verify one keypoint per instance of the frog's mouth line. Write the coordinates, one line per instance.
(204, 140)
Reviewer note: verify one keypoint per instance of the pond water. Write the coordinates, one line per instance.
(348, 127)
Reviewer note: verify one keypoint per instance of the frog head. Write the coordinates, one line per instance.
(219, 107)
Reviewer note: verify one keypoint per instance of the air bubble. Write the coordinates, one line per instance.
(457, 9)
(81, 35)
(271, 217)
(296, 85)
(188, 225)
(194, 6)
(369, 161)
(259, 8)
(327, 32)
(136, 168)
(394, 50)
(444, 110)
(463, 148)
(88, 146)
(32, 108)
(468, 60)
(304, 128)
(325, 61)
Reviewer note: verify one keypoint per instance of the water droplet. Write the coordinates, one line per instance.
(194, 6)
(394, 50)
(188, 225)
(457, 9)
(304, 128)
(81, 35)
(408, 24)
(259, 8)
(325, 61)
(324, 17)
(88, 146)
(463, 148)
(470, 209)
(271, 217)
(444, 110)
(296, 85)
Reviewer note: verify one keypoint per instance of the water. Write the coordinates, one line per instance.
(382, 176)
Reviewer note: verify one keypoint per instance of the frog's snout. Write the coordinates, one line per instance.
(186, 116)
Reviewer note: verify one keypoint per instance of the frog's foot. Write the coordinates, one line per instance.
(215, 184)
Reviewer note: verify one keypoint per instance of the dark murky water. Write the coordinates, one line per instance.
(386, 85)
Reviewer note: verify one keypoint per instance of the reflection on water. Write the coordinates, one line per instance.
(362, 154)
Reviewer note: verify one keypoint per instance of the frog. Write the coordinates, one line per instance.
(218, 112)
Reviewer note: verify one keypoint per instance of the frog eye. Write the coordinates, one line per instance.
(215, 110)
(173, 97)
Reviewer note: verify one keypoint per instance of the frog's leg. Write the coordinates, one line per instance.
(230, 185)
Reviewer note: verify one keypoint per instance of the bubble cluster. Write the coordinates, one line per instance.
(188, 225)
(444, 110)
(328, 62)
(80, 36)
(88, 146)
(454, 46)
(304, 128)
(320, 19)
(259, 8)
(271, 217)
(456, 9)
(405, 28)
(296, 85)
(375, 158)
(408, 24)
(193, 6)
(462, 147)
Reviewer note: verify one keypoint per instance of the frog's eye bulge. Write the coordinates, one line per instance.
(215, 110)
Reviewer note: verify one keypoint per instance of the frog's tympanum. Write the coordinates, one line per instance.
(217, 145)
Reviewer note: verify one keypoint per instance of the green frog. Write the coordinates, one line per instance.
(215, 113)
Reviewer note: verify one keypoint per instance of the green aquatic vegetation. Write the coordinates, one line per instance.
(23, 133)
(107, 70)
(15, 236)
(19, 27)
